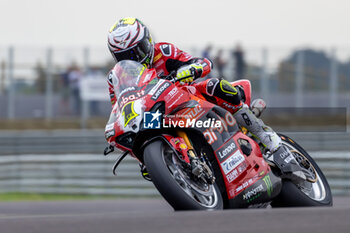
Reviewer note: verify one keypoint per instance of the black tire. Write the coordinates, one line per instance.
(292, 196)
(155, 157)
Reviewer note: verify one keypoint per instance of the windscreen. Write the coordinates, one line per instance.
(127, 75)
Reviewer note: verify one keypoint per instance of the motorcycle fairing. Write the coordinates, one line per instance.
(238, 169)
(245, 84)
(258, 193)
(144, 95)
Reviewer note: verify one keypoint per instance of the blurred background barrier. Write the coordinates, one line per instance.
(72, 174)
(92, 174)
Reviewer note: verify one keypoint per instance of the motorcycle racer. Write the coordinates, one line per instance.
(130, 39)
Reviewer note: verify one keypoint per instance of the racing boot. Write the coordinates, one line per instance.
(276, 154)
(269, 138)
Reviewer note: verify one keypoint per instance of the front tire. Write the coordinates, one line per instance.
(306, 193)
(180, 191)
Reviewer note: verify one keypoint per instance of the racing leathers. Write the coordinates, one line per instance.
(168, 58)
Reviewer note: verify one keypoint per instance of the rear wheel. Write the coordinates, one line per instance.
(180, 189)
(313, 192)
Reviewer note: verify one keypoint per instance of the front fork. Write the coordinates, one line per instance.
(199, 166)
(190, 151)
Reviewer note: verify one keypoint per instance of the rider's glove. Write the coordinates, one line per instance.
(190, 72)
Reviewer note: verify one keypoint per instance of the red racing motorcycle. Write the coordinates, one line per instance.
(195, 153)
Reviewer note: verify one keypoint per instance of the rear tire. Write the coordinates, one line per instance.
(181, 192)
(306, 193)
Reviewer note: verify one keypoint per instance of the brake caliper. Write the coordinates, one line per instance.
(198, 166)
(180, 146)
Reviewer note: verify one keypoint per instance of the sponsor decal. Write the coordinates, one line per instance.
(232, 162)
(246, 118)
(109, 127)
(232, 175)
(131, 97)
(160, 91)
(242, 167)
(284, 154)
(157, 57)
(237, 172)
(151, 120)
(195, 112)
(155, 88)
(253, 194)
(126, 90)
(109, 134)
(158, 64)
(268, 183)
(226, 150)
(171, 94)
(210, 134)
(176, 101)
(230, 106)
(129, 113)
(289, 158)
(244, 185)
(153, 81)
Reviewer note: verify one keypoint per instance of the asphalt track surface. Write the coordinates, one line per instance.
(155, 215)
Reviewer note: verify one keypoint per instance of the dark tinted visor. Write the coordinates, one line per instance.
(137, 53)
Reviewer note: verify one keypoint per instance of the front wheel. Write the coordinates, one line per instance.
(180, 189)
(314, 192)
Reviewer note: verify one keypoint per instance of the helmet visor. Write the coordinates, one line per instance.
(138, 53)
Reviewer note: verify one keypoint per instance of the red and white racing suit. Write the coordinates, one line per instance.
(168, 58)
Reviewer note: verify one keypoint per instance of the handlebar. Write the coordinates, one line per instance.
(172, 78)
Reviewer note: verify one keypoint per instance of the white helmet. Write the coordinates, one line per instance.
(129, 39)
